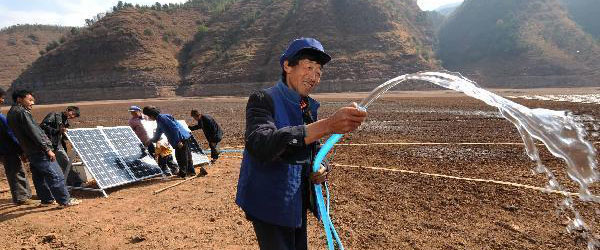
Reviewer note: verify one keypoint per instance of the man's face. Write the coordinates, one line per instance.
(71, 115)
(135, 113)
(26, 101)
(304, 77)
(1, 99)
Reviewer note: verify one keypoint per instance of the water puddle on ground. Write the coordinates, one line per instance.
(587, 98)
(560, 131)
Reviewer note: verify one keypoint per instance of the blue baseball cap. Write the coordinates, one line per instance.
(302, 44)
(134, 108)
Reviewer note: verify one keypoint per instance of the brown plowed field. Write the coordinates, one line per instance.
(372, 209)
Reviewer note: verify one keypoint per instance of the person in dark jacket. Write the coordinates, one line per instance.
(48, 179)
(55, 126)
(212, 132)
(10, 156)
(178, 137)
(282, 130)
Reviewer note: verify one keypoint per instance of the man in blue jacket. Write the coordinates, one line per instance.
(178, 137)
(282, 130)
(10, 154)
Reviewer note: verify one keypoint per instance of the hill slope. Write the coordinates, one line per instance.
(128, 54)
(20, 45)
(513, 43)
(369, 41)
(228, 47)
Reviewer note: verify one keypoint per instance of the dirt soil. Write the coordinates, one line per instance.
(372, 209)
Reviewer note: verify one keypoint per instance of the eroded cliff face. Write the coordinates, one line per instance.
(231, 49)
(132, 53)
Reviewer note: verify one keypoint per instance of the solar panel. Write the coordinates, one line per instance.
(197, 153)
(100, 157)
(113, 155)
(132, 151)
(198, 156)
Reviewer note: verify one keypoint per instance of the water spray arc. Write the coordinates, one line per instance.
(562, 135)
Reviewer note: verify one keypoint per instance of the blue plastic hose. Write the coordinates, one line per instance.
(330, 231)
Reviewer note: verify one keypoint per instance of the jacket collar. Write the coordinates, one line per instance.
(293, 96)
(63, 117)
(18, 105)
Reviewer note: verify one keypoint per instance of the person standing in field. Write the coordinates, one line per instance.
(10, 156)
(281, 140)
(48, 179)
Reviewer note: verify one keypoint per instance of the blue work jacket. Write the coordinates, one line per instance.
(8, 142)
(276, 160)
(174, 131)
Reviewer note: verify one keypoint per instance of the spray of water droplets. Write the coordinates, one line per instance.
(560, 132)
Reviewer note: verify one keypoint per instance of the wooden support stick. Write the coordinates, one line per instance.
(174, 185)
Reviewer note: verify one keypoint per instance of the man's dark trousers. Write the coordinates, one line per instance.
(214, 150)
(48, 179)
(183, 156)
(73, 179)
(276, 237)
(17, 181)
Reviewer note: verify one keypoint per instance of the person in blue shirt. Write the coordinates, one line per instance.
(10, 155)
(178, 137)
(281, 141)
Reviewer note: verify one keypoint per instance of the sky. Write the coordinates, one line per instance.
(59, 12)
(74, 12)
(434, 4)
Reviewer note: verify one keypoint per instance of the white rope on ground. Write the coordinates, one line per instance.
(419, 143)
(463, 178)
(429, 143)
(423, 143)
(436, 143)
(506, 183)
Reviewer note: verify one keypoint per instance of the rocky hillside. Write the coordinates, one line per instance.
(21, 45)
(514, 43)
(132, 53)
(369, 40)
(229, 47)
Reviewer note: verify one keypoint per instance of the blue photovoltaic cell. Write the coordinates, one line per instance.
(132, 151)
(100, 158)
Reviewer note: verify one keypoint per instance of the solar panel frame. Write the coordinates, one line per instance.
(96, 162)
(85, 142)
